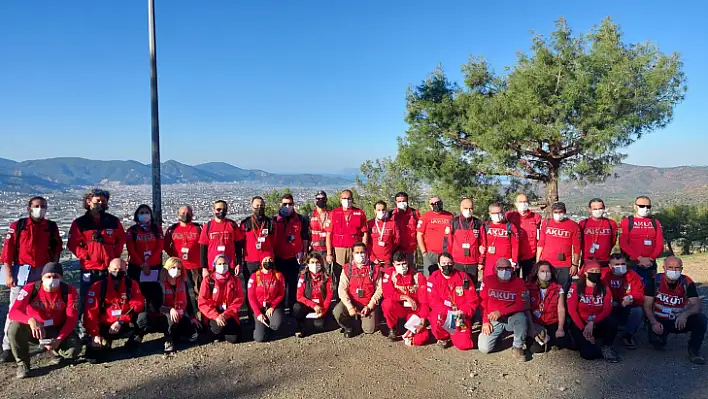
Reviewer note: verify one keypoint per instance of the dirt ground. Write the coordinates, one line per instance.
(327, 365)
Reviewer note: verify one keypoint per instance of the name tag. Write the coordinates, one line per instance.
(448, 304)
(185, 250)
(492, 250)
(595, 246)
(116, 312)
(265, 305)
(49, 323)
(316, 300)
(382, 244)
(407, 304)
(459, 291)
(147, 254)
(323, 234)
(648, 243)
(261, 239)
(466, 245)
(221, 248)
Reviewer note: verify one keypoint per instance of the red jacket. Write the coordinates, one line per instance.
(258, 231)
(310, 289)
(586, 306)
(47, 307)
(346, 227)
(383, 239)
(265, 290)
(37, 240)
(412, 284)
(559, 238)
(435, 228)
(290, 234)
(447, 294)
(115, 306)
(544, 310)
(95, 255)
(226, 298)
(528, 226)
(406, 222)
(505, 245)
(318, 236)
(221, 238)
(507, 297)
(629, 284)
(183, 242)
(466, 235)
(599, 237)
(144, 246)
(643, 239)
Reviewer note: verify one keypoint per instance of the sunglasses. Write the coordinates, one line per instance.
(644, 206)
(434, 203)
(100, 193)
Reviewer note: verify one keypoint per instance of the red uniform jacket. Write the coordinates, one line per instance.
(364, 278)
(466, 237)
(559, 239)
(289, 236)
(85, 237)
(412, 284)
(406, 222)
(528, 226)
(318, 236)
(599, 237)
(643, 239)
(544, 309)
(48, 308)
(221, 238)
(226, 298)
(629, 284)
(115, 307)
(34, 247)
(507, 297)
(144, 246)
(261, 231)
(670, 302)
(448, 294)
(310, 289)
(346, 227)
(383, 239)
(183, 242)
(435, 227)
(265, 290)
(505, 245)
(587, 306)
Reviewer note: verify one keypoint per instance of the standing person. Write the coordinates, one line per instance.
(383, 236)
(599, 234)
(259, 241)
(432, 231)
(291, 239)
(360, 291)
(316, 222)
(528, 223)
(314, 295)
(560, 244)
(627, 298)
(672, 306)
(468, 241)
(405, 295)
(502, 241)
(145, 243)
(96, 238)
(590, 307)
(642, 239)
(266, 294)
(45, 313)
(346, 226)
(221, 236)
(31, 243)
(182, 241)
(220, 299)
(547, 306)
(406, 219)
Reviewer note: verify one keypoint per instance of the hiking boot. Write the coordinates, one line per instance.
(609, 354)
(194, 338)
(132, 344)
(628, 342)
(7, 356)
(22, 370)
(348, 333)
(392, 335)
(299, 334)
(518, 354)
(169, 346)
(696, 357)
(444, 343)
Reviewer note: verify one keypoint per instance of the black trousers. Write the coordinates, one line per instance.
(525, 267)
(563, 277)
(248, 269)
(310, 326)
(695, 325)
(150, 290)
(471, 271)
(163, 324)
(559, 343)
(291, 272)
(195, 277)
(231, 332)
(604, 333)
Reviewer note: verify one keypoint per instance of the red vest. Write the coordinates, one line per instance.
(288, 238)
(669, 303)
(317, 229)
(176, 298)
(462, 237)
(364, 279)
(545, 311)
(346, 233)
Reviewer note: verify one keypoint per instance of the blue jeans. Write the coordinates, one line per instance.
(516, 323)
(631, 316)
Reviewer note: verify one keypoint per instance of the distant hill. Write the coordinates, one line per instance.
(61, 173)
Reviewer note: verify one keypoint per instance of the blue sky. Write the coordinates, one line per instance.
(299, 86)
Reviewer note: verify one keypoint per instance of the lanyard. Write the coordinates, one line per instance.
(257, 228)
(322, 220)
(380, 230)
(597, 233)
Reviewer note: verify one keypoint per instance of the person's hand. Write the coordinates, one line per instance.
(196, 324)
(420, 327)
(365, 311)
(657, 327)
(494, 316)
(513, 264)
(146, 269)
(52, 346)
(560, 333)
(626, 301)
(480, 267)
(237, 270)
(487, 328)
(174, 315)
(330, 258)
(205, 273)
(644, 261)
(37, 329)
(588, 332)
(115, 327)
(318, 309)
(98, 341)
(9, 280)
(221, 320)
(298, 257)
(269, 312)
(681, 321)
(352, 312)
(573, 271)
(482, 250)
(262, 319)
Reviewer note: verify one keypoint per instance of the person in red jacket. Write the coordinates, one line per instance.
(383, 236)
(599, 234)
(221, 236)
(590, 307)
(467, 240)
(145, 243)
(547, 306)
(316, 222)
(642, 239)
(405, 297)
(96, 238)
(220, 299)
(266, 294)
(433, 233)
(627, 298)
(115, 307)
(291, 240)
(182, 241)
(259, 241)
(314, 297)
(505, 305)
(406, 219)
(528, 223)
(30, 244)
(560, 244)
(346, 226)
(45, 313)
(502, 241)
(453, 302)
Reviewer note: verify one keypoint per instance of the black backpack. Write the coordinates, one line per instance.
(63, 287)
(104, 288)
(22, 224)
(630, 222)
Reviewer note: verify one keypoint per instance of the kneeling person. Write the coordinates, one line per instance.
(314, 296)
(627, 298)
(266, 294)
(405, 296)
(220, 299)
(45, 313)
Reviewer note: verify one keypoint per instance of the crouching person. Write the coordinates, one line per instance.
(220, 299)
(453, 301)
(266, 293)
(115, 308)
(314, 297)
(627, 298)
(404, 291)
(505, 305)
(359, 291)
(45, 313)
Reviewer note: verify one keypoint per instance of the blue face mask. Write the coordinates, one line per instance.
(286, 210)
(144, 218)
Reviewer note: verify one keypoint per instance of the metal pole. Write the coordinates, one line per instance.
(156, 187)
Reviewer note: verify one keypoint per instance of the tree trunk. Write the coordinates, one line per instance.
(671, 250)
(552, 188)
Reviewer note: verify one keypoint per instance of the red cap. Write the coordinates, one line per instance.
(588, 265)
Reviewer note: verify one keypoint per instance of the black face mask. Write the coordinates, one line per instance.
(267, 265)
(185, 218)
(438, 206)
(259, 212)
(118, 276)
(220, 215)
(321, 203)
(594, 277)
(98, 208)
(447, 269)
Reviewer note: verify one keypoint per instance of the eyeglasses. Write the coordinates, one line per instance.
(218, 209)
(644, 206)
(320, 198)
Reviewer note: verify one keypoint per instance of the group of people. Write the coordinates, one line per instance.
(541, 279)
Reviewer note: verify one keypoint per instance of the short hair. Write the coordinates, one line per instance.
(346, 190)
(189, 209)
(436, 196)
(401, 194)
(596, 200)
(141, 207)
(287, 196)
(226, 204)
(618, 256)
(96, 192)
(36, 198)
(257, 197)
(495, 205)
(642, 197)
(445, 255)
(399, 257)
(672, 257)
(359, 245)
(380, 202)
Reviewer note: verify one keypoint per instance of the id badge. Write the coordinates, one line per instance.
(492, 249)
(466, 245)
(360, 292)
(185, 250)
(86, 277)
(221, 248)
(323, 235)
(265, 305)
(185, 253)
(592, 249)
(561, 256)
(459, 291)
(147, 255)
(448, 304)
(316, 300)
(382, 244)
(264, 232)
(49, 323)
(261, 239)
(291, 238)
(258, 245)
(116, 312)
(596, 246)
(647, 243)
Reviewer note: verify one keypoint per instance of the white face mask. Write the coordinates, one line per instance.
(360, 258)
(115, 273)
(402, 205)
(38, 213)
(314, 267)
(496, 217)
(504, 274)
(401, 269)
(673, 274)
(380, 215)
(346, 204)
(174, 272)
(619, 270)
(559, 217)
(466, 213)
(522, 207)
(597, 213)
(544, 276)
(643, 212)
(222, 269)
(51, 283)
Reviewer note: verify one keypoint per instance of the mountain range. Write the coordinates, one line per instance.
(61, 173)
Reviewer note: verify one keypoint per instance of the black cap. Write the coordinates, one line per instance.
(322, 193)
(558, 206)
(53, 267)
